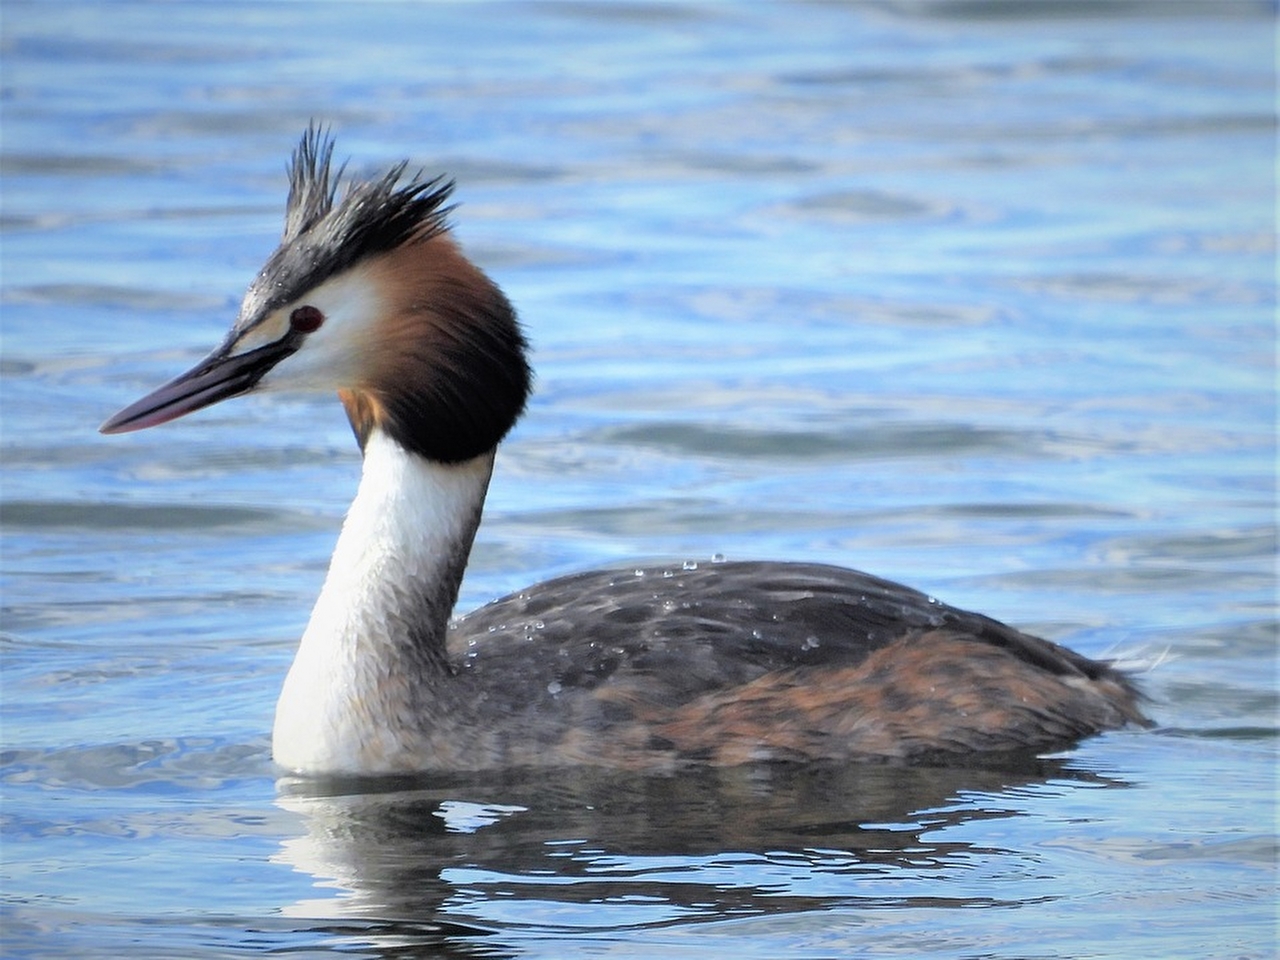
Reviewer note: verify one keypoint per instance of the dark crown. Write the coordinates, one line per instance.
(324, 235)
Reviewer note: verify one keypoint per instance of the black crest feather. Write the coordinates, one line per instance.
(325, 234)
(310, 195)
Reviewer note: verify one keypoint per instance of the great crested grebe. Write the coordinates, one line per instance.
(725, 663)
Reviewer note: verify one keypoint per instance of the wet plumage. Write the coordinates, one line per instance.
(369, 297)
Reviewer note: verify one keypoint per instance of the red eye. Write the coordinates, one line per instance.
(306, 320)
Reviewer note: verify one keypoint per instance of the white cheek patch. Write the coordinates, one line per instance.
(334, 356)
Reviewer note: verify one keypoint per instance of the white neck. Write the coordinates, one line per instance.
(362, 687)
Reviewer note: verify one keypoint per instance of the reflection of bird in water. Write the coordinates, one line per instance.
(412, 852)
(726, 663)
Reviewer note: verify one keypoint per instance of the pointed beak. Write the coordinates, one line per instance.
(217, 377)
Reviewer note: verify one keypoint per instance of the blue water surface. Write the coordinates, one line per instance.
(979, 296)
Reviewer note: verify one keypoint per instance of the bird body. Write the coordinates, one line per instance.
(639, 668)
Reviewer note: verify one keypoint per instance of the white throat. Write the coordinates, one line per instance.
(363, 684)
